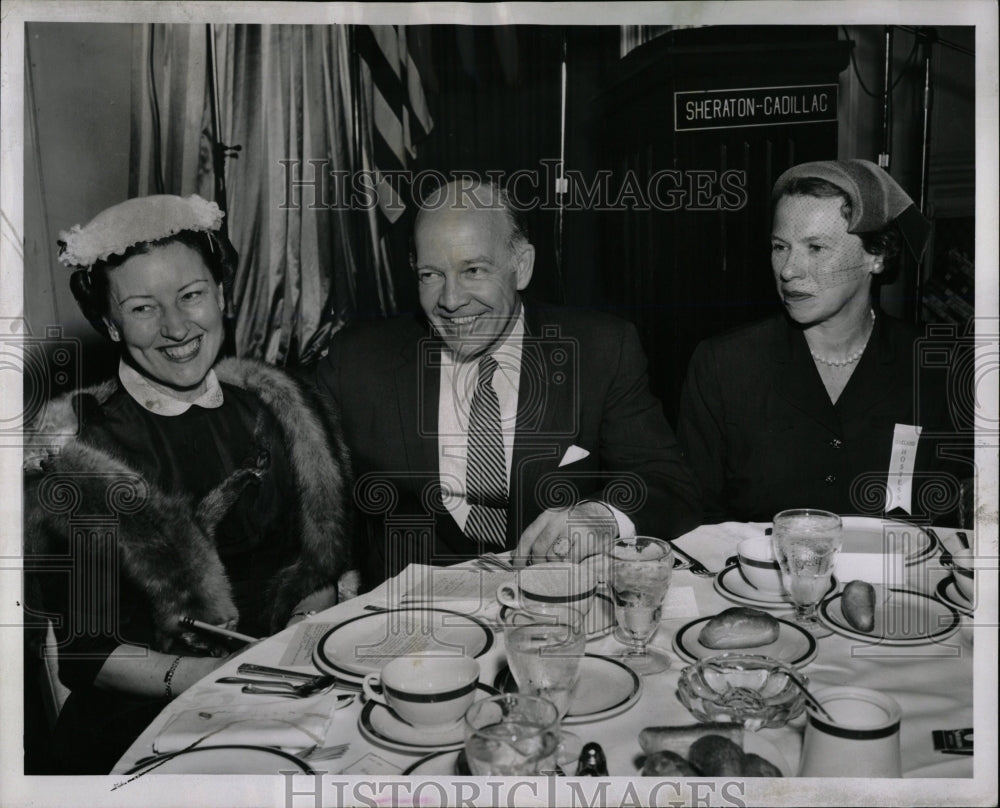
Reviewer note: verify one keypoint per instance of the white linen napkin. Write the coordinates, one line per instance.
(290, 724)
(713, 544)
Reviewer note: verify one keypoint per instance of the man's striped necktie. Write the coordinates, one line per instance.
(486, 467)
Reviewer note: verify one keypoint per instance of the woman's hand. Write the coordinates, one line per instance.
(316, 602)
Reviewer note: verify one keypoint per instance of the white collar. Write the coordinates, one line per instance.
(507, 353)
(162, 403)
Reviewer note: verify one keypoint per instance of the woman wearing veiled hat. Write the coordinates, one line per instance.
(185, 487)
(822, 406)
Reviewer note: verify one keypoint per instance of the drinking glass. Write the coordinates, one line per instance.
(638, 574)
(806, 543)
(544, 648)
(511, 734)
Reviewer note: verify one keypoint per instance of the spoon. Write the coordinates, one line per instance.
(811, 698)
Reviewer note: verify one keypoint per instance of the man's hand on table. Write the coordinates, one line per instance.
(567, 534)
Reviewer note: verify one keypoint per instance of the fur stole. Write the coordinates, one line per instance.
(164, 541)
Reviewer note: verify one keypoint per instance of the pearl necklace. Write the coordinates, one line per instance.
(854, 357)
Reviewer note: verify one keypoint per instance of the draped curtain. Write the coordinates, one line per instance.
(291, 98)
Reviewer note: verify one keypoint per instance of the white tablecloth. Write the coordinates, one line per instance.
(933, 684)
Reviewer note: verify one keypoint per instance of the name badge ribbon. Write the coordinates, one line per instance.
(899, 485)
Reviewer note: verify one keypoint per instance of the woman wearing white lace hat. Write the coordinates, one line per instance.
(223, 481)
(823, 406)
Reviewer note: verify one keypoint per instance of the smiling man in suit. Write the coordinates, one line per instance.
(492, 423)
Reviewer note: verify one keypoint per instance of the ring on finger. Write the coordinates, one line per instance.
(562, 547)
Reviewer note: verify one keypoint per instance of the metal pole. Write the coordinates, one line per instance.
(883, 158)
(561, 183)
(929, 37)
(218, 149)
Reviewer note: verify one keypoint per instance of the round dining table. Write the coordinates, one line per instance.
(933, 682)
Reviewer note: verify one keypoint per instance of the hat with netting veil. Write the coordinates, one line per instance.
(146, 218)
(876, 198)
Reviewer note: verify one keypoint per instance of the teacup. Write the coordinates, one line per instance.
(862, 740)
(758, 564)
(425, 690)
(964, 573)
(551, 586)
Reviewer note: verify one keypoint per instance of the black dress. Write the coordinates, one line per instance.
(190, 454)
(759, 429)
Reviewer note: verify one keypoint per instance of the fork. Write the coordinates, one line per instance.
(696, 566)
(295, 677)
(321, 685)
(316, 752)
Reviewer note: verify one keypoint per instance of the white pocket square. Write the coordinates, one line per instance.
(573, 453)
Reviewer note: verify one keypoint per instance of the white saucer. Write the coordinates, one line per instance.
(437, 764)
(605, 687)
(598, 622)
(872, 533)
(382, 726)
(795, 646)
(733, 586)
(902, 617)
(950, 594)
(365, 643)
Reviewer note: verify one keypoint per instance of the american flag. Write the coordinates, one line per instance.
(399, 107)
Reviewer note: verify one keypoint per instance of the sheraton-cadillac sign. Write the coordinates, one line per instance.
(754, 106)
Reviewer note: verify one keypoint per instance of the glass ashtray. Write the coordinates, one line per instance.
(756, 691)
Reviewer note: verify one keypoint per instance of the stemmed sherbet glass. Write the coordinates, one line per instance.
(544, 648)
(806, 543)
(638, 573)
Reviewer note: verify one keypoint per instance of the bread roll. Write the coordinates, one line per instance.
(756, 766)
(715, 756)
(668, 764)
(679, 739)
(858, 605)
(739, 627)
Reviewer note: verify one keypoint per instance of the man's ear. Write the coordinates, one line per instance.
(524, 264)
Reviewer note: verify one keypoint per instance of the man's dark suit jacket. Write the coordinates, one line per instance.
(583, 383)
(760, 432)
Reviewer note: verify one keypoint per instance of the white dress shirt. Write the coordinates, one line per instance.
(458, 384)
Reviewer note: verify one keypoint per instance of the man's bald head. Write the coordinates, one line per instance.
(469, 193)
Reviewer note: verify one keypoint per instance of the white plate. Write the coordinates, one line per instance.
(606, 687)
(950, 594)
(366, 643)
(442, 764)
(598, 622)
(382, 726)
(233, 759)
(902, 617)
(795, 646)
(869, 532)
(438, 764)
(733, 586)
